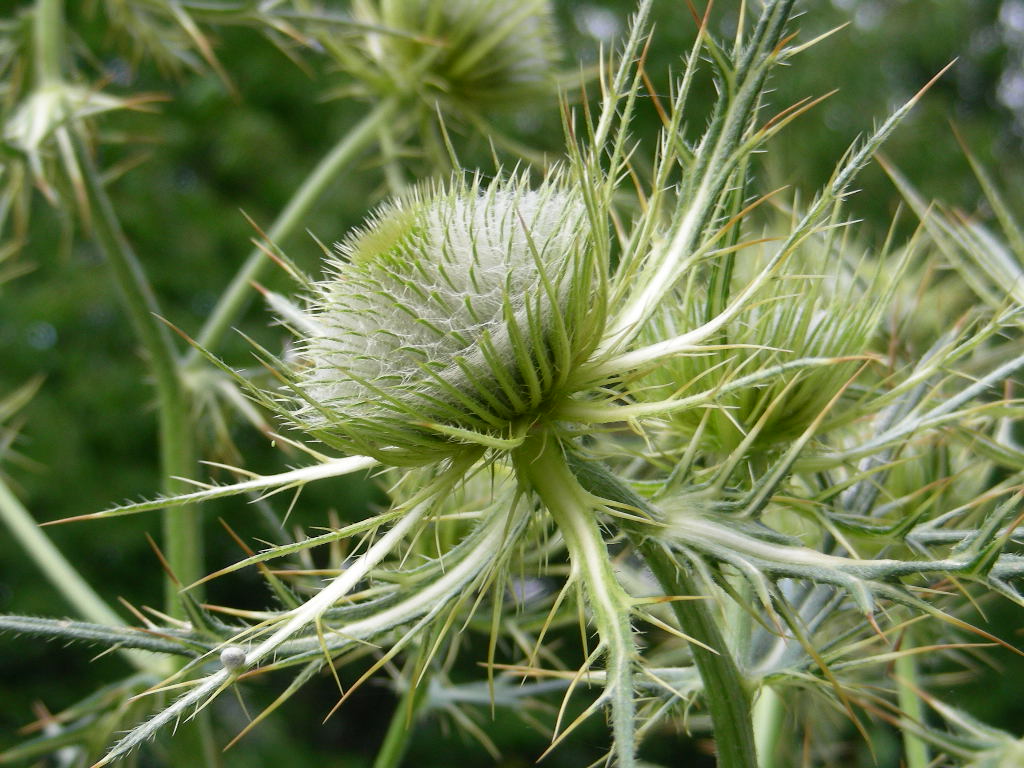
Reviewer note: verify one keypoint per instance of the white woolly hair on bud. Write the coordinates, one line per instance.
(450, 317)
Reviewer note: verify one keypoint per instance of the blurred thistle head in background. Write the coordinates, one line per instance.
(465, 54)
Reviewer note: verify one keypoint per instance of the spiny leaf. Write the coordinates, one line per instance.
(162, 641)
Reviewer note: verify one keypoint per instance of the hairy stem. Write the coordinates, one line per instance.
(915, 750)
(768, 717)
(183, 543)
(182, 539)
(725, 689)
(541, 464)
(182, 532)
(238, 294)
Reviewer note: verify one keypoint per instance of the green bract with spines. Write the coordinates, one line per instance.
(453, 317)
(821, 304)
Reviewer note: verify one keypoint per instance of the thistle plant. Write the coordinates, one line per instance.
(623, 395)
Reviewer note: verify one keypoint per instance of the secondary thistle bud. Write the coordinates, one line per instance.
(807, 313)
(452, 317)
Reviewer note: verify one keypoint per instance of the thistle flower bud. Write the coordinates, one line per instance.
(807, 313)
(492, 52)
(453, 316)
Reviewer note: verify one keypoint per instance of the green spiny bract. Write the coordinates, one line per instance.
(495, 52)
(455, 316)
(818, 306)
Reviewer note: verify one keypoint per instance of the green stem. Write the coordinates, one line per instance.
(768, 718)
(541, 464)
(392, 168)
(396, 740)
(915, 750)
(48, 39)
(182, 531)
(183, 542)
(237, 295)
(725, 689)
(63, 576)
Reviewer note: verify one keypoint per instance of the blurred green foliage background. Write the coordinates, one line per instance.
(205, 155)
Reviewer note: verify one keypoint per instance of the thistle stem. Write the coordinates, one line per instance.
(183, 542)
(915, 750)
(239, 292)
(63, 576)
(768, 717)
(541, 463)
(396, 740)
(182, 536)
(48, 39)
(725, 689)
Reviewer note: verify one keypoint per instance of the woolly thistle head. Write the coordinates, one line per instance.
(456, 316)
(490, 52)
